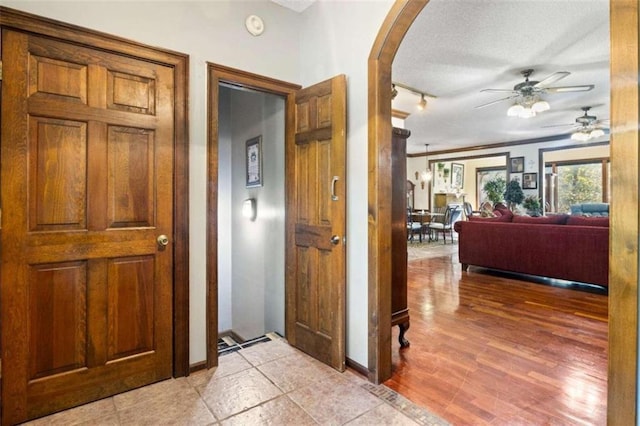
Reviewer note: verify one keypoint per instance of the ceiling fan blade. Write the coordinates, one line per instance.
(496, 101)
(563, 89)
(552, 79)
(498, 90)
(559, 125)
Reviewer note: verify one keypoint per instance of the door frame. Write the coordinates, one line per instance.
(625, 211)
(21, 21)
(242, 80)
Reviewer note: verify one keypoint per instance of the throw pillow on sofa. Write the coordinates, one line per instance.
(502, 218)
(486, 213)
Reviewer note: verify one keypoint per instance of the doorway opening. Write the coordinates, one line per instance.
(251, 196)
(245, 255)
(623, 312)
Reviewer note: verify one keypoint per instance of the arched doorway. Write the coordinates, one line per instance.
(623, 282)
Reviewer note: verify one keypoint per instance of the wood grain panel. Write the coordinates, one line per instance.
(58, 167)
(57, 318)
(131, 93)
(131, 306)
(305, 287)
(131, 197)
(302, 117)
(326, 315)
(324, 181)
(316, 281)
(306, 164)
(323, 111)
(63, 79)
(313, 236)
(624, 273)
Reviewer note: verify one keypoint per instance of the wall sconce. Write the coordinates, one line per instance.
(249, 209)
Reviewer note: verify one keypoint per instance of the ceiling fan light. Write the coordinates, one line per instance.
(596, 133)
(540, 106)
(514, 110)
(580, 136)
(427, 175)
(527, 113)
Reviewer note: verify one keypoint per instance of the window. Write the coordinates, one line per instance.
(576, 182)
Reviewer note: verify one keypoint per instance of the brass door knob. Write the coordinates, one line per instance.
(163, 240)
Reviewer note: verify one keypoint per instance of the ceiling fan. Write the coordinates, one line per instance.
(527, 93)
(586, 126)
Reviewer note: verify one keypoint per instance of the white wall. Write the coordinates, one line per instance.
(337, 39)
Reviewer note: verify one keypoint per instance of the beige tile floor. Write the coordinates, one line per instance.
(269, 383)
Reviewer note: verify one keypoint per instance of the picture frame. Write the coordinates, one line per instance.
(517, 165)
(457, 175)
(530, 181)
(254, 162)
(483, 175)
(517, 177)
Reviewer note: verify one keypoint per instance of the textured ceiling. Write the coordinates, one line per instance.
(456, 48)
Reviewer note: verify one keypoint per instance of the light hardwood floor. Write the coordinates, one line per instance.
(490, 349)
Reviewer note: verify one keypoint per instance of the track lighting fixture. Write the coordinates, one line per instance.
(422, 103)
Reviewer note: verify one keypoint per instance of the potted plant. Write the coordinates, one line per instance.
(445, 173)
(513, 195)
(533, 205)
(495, 189)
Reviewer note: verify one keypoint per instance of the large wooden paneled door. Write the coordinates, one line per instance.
(316, 215)
(87, 238)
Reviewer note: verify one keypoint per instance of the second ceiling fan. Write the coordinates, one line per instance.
(527, 94)
(586, 126)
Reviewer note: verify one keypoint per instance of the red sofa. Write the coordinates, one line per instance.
(573, 248)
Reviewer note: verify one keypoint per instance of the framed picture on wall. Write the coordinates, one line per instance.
(457, 175)
(530, 181)
(517, 177)
(517, 165)
(484, 175)
(254, 162)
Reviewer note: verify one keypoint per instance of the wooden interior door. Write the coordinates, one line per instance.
(87, 171)
(316, 214)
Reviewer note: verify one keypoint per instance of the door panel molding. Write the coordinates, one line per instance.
(19, 22)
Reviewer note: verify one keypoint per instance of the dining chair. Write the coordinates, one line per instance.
(451, 215)
(413, 228)
(468, 210)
